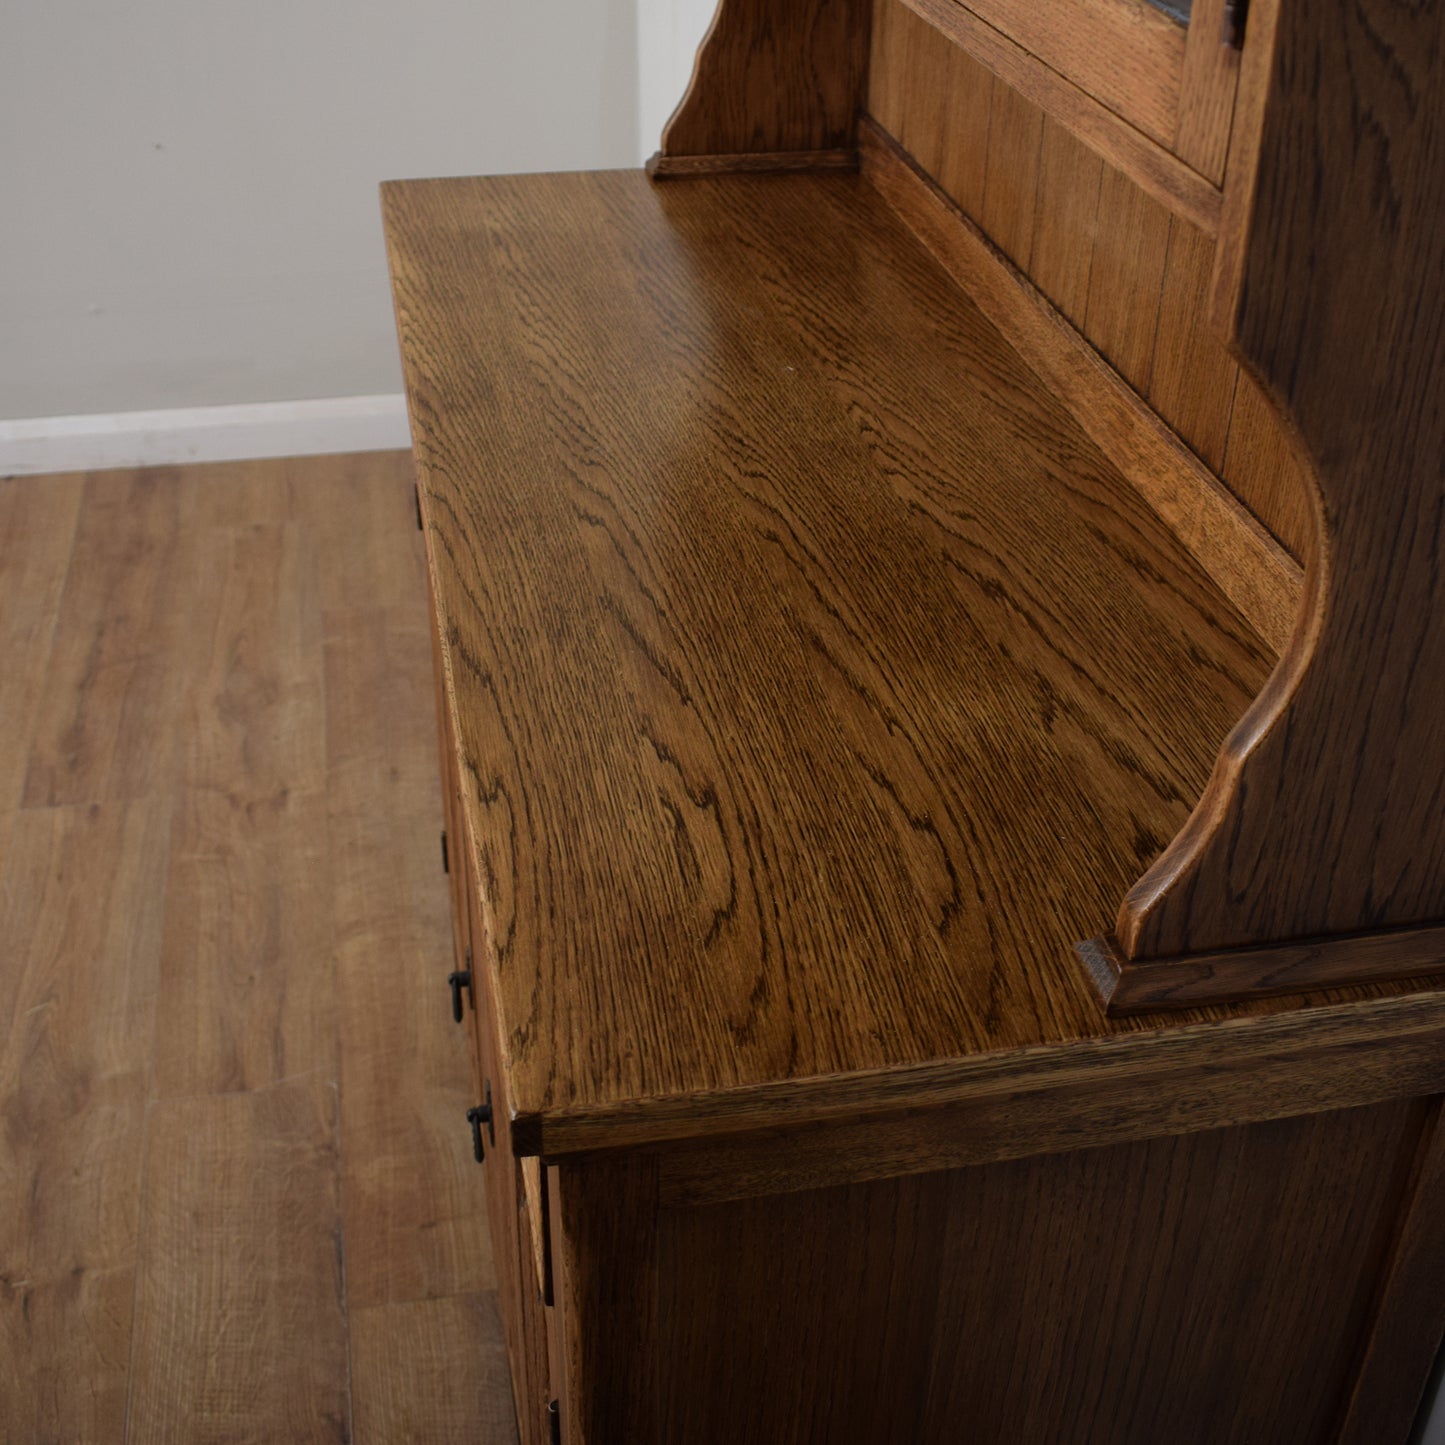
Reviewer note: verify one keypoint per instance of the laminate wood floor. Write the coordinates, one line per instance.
(237, 1200)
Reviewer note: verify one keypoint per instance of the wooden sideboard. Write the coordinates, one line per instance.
(940, 646)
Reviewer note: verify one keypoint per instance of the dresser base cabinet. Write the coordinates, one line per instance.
(936, 604)
(1220, 1286)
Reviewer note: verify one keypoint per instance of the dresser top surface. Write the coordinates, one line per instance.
(818, 683)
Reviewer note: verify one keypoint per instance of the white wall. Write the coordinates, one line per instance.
(668, 34)
(1433, 1420)
(188, 210)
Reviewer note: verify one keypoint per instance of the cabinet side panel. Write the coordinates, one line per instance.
(519, 1291)
(604, 1236)
(1197, 1289)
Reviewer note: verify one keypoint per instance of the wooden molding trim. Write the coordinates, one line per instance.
(1130, 58)
(1301, 1044)
(1262, 580)
(1232, 975)
(1057, 1119)
(662, 167)
(1152, 166)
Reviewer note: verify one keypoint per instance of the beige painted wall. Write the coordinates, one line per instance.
(188, 209)
(668, 34)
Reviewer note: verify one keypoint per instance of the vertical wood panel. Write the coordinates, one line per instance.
(1193, 378)
(1274, 1232)
(1013, 1301)
(968, 104)
(605, 1239)
(1127, 57)
(924, 79)
(1263, 470)
(1111, 258)
(1206, 97)
(80, 925)
(865, 1378)
(1124, 288)
(239, 1329)
(1014, 134)
(944, 125)
(887, 92)
(1065, 216)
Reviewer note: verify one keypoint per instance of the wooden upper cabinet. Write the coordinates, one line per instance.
(1171, 80)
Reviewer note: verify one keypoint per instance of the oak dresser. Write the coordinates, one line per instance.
(940, 654)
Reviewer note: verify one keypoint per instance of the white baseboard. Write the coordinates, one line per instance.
(202, 434)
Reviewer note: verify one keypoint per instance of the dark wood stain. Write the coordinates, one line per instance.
(743, 803)
(1326, 813)
(1119, 1296)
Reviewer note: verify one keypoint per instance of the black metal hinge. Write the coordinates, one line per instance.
(416, 496)
(554, 1422)
(482, 1114)
(1236, 15)
(446, 859)
(457, 981)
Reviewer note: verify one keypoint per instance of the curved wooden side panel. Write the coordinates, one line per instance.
(773, 76)
(1326, 812)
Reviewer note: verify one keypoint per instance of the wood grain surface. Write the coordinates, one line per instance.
(520, 1286)
(220, 1309)
(247, 989)
(37, 530)
(661, 167)
(932, 96)
(435, 1372)
(81, 897)
(1409, 1308)
(1015, 134)
(1294, 966)
(774, 75)
(1408, 1315)
(747, 810)
(1266, 469)
(1065, 217)
(1326, 813)
(1207, 92)
(1151, 165)
(939, 98)
(1261, 580)
(1197, 1290)
(1192, 378)
(1131, 241)
(1128, 57)
(134, 617)
(174, 1032)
